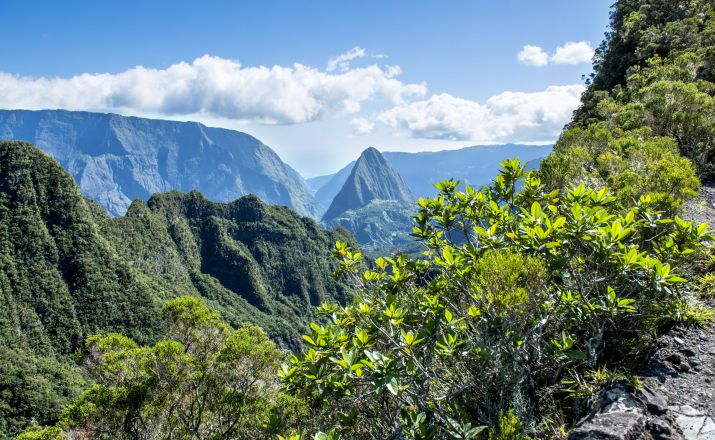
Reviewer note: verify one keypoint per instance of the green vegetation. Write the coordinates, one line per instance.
(531, 295)
(251, 261)
(653, 78)
(382, 227)
(67, 271)
(521, 298)
(59, 282)
(204, 380)
(527, 302)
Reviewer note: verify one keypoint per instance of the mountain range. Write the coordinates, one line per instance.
(116, 159)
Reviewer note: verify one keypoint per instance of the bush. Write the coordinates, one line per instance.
(630, 163)
(519, 294)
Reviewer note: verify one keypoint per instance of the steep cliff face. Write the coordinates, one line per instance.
(372, 178)
(116, 159)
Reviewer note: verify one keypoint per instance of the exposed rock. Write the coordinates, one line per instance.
(660, 429)
(653, 401)
(611, 426)
(617, 415)
(676, 402)
(695, 424)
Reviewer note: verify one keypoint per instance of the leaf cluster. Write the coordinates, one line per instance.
(520, 290)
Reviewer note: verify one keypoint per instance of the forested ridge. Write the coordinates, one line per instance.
(69, 271)
(531, 295)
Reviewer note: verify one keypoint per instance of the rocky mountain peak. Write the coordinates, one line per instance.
(372, 178)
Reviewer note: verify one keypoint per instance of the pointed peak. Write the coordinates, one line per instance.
(370, 151)
(371, 155)
(372, 178)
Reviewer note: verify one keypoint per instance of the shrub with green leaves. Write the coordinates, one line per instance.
(630, 163)
(520, 293)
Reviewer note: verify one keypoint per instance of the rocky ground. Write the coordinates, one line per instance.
(677, 399)
(702, 207)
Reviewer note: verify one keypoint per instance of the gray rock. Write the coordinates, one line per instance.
(628, 425)
(674, 359)
(695, 425)
(653, 401)
(617, 415)
(688, 352)
(660, 430)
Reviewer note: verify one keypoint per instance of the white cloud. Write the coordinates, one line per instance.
(343, 60)
(573, 53)
(533, 56)
(214, 87)
(568, 53)
(361, 126)
(509, 116)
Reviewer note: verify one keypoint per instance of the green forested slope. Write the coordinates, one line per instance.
(650, 97)
(251, 261)
(60, 278)
(60, 281)
(640, 30)
(533, 294)
(67, 270)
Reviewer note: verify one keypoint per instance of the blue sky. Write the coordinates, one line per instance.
(423, 75)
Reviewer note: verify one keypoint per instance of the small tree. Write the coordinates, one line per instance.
(204, 381)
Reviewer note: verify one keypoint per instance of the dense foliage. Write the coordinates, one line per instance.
(204, 380)
(528, 301)
(524, 301)
(67, 270)
(252, 262)
(653, 77)
(531, 294)
(59, 282)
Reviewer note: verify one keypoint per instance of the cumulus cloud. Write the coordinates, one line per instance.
(343, 60)
(533, 56)
(509, 116)
(217, 87)
(573, 53)
(568, 53)
(362, 126)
